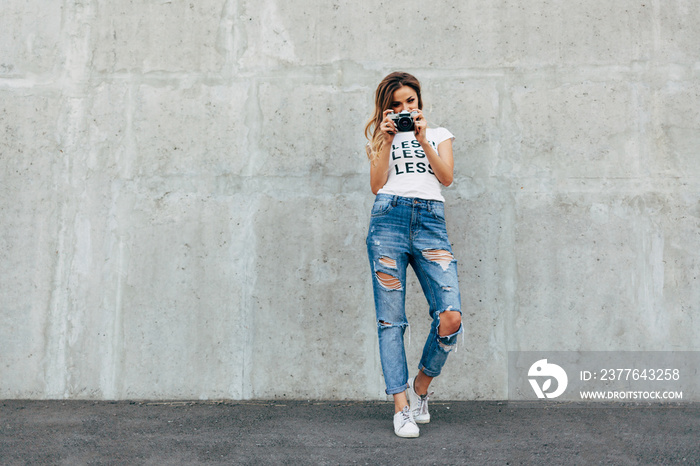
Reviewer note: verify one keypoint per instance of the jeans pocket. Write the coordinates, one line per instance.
(381, 207)
(438, 211)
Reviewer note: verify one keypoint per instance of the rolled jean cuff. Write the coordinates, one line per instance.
(394, 391)
(428, 372)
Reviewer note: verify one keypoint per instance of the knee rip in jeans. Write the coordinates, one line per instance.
(440, 256)
(453, 320)
(388, 281)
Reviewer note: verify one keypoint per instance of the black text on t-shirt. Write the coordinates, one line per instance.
(410, 150)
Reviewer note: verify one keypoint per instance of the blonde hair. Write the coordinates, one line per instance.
(383, 98)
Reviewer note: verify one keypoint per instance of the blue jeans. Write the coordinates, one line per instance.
(405, 231)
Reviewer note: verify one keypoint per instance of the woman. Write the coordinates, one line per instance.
(407, 169)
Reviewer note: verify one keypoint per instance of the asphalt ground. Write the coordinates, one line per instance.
(308, 432)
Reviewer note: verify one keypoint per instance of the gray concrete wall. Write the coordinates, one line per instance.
(184, 194)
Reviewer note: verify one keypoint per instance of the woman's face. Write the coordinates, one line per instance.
(405, 99)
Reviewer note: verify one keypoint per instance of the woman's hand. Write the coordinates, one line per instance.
(387, 127)
(420, 125)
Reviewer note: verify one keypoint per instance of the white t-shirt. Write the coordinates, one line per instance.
(410, 174)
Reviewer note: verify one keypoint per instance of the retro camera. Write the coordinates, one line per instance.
(403, 121)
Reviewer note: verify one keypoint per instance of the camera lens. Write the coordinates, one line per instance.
(404, 124)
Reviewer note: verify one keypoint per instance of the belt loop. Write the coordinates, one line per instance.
(394, 201)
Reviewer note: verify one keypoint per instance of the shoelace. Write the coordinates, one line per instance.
(405, 416)
(423, 406)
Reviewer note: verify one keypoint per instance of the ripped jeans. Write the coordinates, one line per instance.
(405, 231)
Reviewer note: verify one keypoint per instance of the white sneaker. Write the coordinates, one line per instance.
(404, 425)
(419, 404)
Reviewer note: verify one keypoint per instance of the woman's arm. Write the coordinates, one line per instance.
(442, 161)
(379, 168)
